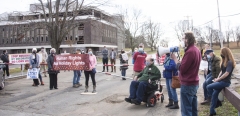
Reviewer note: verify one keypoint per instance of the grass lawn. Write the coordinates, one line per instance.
(15, 70)
(227, 109)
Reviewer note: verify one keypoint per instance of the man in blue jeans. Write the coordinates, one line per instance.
(213, 71)
(77, 74)
(188, 75)
(140, 82)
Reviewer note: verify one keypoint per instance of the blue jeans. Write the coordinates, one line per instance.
(124, 72)
(76, 77)
(137, 90)
(40, 76)
(189, 100)
(213, 90)
(206, 83)
(172, 94)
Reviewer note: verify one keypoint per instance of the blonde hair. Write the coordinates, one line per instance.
(226, 52)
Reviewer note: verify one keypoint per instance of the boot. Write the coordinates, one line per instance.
(207, 101)
(42, 83)
(86, 89)
(170, 103)
(94, 89)
(175, 106)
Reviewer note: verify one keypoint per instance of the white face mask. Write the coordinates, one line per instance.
(182, 44)
(140, 49)
(90, 52)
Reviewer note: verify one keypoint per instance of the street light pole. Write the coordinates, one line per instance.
(221, 39)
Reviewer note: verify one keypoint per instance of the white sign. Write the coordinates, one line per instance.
(33, 73)
(203, 65)
(21, 58)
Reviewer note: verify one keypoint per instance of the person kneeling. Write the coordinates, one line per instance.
(141, 82)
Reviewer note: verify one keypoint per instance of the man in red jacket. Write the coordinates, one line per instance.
(188, 75)
(139, 60)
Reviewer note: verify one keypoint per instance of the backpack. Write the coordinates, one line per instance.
(4, 58)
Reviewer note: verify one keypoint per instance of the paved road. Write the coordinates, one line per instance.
(21, 99)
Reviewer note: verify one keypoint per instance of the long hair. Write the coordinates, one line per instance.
(226, 52)
(190, 37)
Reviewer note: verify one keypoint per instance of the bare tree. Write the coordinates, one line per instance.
(153, 33)
(59, 17)
(179, 28)
(237, 34)
(164, 42)
(133, 25)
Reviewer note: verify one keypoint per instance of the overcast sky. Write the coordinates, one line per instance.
(165, 12)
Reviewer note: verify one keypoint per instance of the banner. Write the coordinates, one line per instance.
(33, 73)
(21, 58)
(71, 62)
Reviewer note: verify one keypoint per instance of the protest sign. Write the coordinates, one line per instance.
(32, 73)
(71, 62)
(21, 58)
(203, 65)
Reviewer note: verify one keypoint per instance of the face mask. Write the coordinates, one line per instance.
(34, 52)
(222, 56)
(90, 52)
(148, 63)
(208, 56)
(135, 50)
(42, 50)
(140, 49)
(182, 44)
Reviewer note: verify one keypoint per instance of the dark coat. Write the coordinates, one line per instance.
(50, 61)
(123, 62)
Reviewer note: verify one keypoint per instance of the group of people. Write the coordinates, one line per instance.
(218, 76)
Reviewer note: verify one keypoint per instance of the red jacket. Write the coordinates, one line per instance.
(189, 66)
(139, 61)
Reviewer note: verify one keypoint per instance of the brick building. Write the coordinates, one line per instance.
(20, 33)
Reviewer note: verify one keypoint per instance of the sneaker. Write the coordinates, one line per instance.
(128, 100)
(79, 84)
(75, 86)
(136, 102)
(123, 78)
(206, 102)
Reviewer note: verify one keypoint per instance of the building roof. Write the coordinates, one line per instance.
(62, 46)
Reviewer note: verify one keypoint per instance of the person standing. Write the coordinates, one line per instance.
(139, 60)
(105, 58)
(77, 74)
(35, 63)
(223, 80)
(123, 57)
(5, 59)
(91, 71)
(52, 73)
(112, 57)
(43, 62)
(170, 70)
(212, 73)
(188, 75)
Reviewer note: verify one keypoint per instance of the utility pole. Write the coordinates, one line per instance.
(221, 39)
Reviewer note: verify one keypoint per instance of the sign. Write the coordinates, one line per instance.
(32, 73)
(71, 62)
(203, 65)
(21, 58)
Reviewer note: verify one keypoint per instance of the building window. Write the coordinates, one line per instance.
(33, 39)
(81, 26)
(11, 41)
(71, 38)
(66, 39)
(46, 38)
(3, 29)
(37, 40)
(41, 39)
(76, 39)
